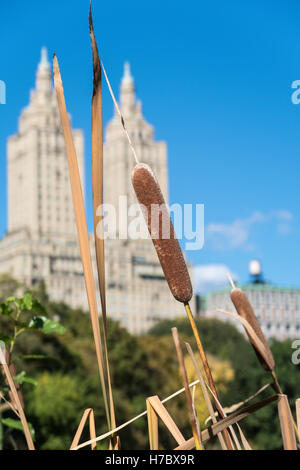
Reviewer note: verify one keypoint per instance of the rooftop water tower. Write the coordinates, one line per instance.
(256, 272)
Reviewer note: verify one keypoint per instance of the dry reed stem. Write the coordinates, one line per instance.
(5, 407)
(88, 413)
(18, 405)
(195, 411)
(97, 184)
(198, 443)
(230, 428)
(8, 405)
(152, 426)
(206, 368)
(231, 280)
(161, 412)
(12, 371)
(286, 423)
(205, 394)
(80, 218)
(243, 438)
(298, 414)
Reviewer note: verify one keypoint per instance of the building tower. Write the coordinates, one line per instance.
(118, 158)
(41, 241)
(138, 294)
(39, 195)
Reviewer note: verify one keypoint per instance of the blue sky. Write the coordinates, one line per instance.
(215, 80)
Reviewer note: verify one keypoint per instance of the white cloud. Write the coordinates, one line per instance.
(237, 233)
(283, 215)
(285, 218)
(209, 277)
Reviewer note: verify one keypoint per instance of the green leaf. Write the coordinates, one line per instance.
(16, 424)
(25, 303)
(37, 307)
(37, 322)
(28, 301)
(22, 378)
(19, 378)
(6, 309)
(6, 339)
(46, 325)
(32, 356)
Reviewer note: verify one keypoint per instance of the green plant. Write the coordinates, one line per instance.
(20, 315)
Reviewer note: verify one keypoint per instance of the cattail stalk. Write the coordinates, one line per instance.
(198, 442)
(245, 310)
(168, 250)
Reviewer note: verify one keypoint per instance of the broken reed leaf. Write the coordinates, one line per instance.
(205, 394)
(166, 418)
(82, 231)
(9, 405)
(152, 426)
(286, 423)
(97, 186)
(237, 416)
(122, 120)
(88, 414)
(298, 414)
(243, 438)
(198, 442)
(257, 344)
(245, 310)
(236, 406)
(168, 250)
(230, 428)
(195, 411)
(97, 162)
(132, 420)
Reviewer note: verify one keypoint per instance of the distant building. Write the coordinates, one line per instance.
(41, 242)
(277, 308)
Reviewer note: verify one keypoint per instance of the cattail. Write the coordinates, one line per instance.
(168, 250)
(245, 310)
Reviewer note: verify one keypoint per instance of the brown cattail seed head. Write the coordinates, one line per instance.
(161, 230)
(245, 310)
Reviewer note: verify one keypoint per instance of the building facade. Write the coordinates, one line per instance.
(277, 309)
(41, 241)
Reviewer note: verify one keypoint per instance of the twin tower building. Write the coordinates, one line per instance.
(41, 241)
